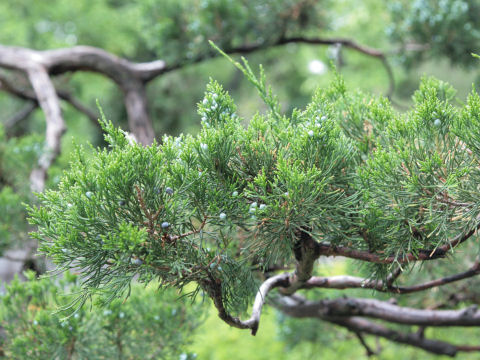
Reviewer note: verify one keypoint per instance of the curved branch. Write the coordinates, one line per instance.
(350, 282)
(348, 43)
(49, 102)
(85, 58)
(349, 306)
(26, 94)
(125, 73)
(368, 327)
(129, 76)
(306, 252)
(214, 290)
(249, 48)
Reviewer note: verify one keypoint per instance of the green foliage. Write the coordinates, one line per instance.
(205, 209)
(411, 180)
(446, 28)
(174, 211)
(60, 23)
(13, 216)
(148, 326)
(180, 30)
(17, 158)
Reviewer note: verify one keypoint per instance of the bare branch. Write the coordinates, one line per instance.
(294, 306)
(346, 307)
(249, 48)
(369, 351)
(138, 119)
(130, 77)
(26, 94)
(8, 86)
(362, 325)
(350, 306)
(214, 290)
(349, 282)
(21, 115)
(48, 100)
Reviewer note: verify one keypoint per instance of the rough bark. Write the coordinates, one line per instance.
(48, 100)
(296, 306)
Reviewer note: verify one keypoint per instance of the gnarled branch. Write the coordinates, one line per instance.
(298, 307)
(383, 310)
(214, 290)
(48, 100)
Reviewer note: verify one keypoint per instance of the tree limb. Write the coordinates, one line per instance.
(306, 252)
(383, 310)
(26, 94)
(368, 327)
(214, 290)
(348, 282)
(294, 306)
(439, 252)
(129, 76)
(48, 100)
(249, 48)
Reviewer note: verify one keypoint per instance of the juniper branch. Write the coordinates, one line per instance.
(349, 282)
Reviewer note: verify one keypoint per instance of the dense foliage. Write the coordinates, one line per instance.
(38, 323)
(225, 208)
(17, 158)
(180, 30)
(430, 28)
(347, 171)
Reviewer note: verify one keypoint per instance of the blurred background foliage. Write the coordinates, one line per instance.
(419, 37)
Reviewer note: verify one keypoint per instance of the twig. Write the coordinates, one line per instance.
(369, 351)
(21, 115)
(249, 48)
(195, 231)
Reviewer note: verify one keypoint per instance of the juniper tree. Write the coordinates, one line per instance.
(244, 208)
